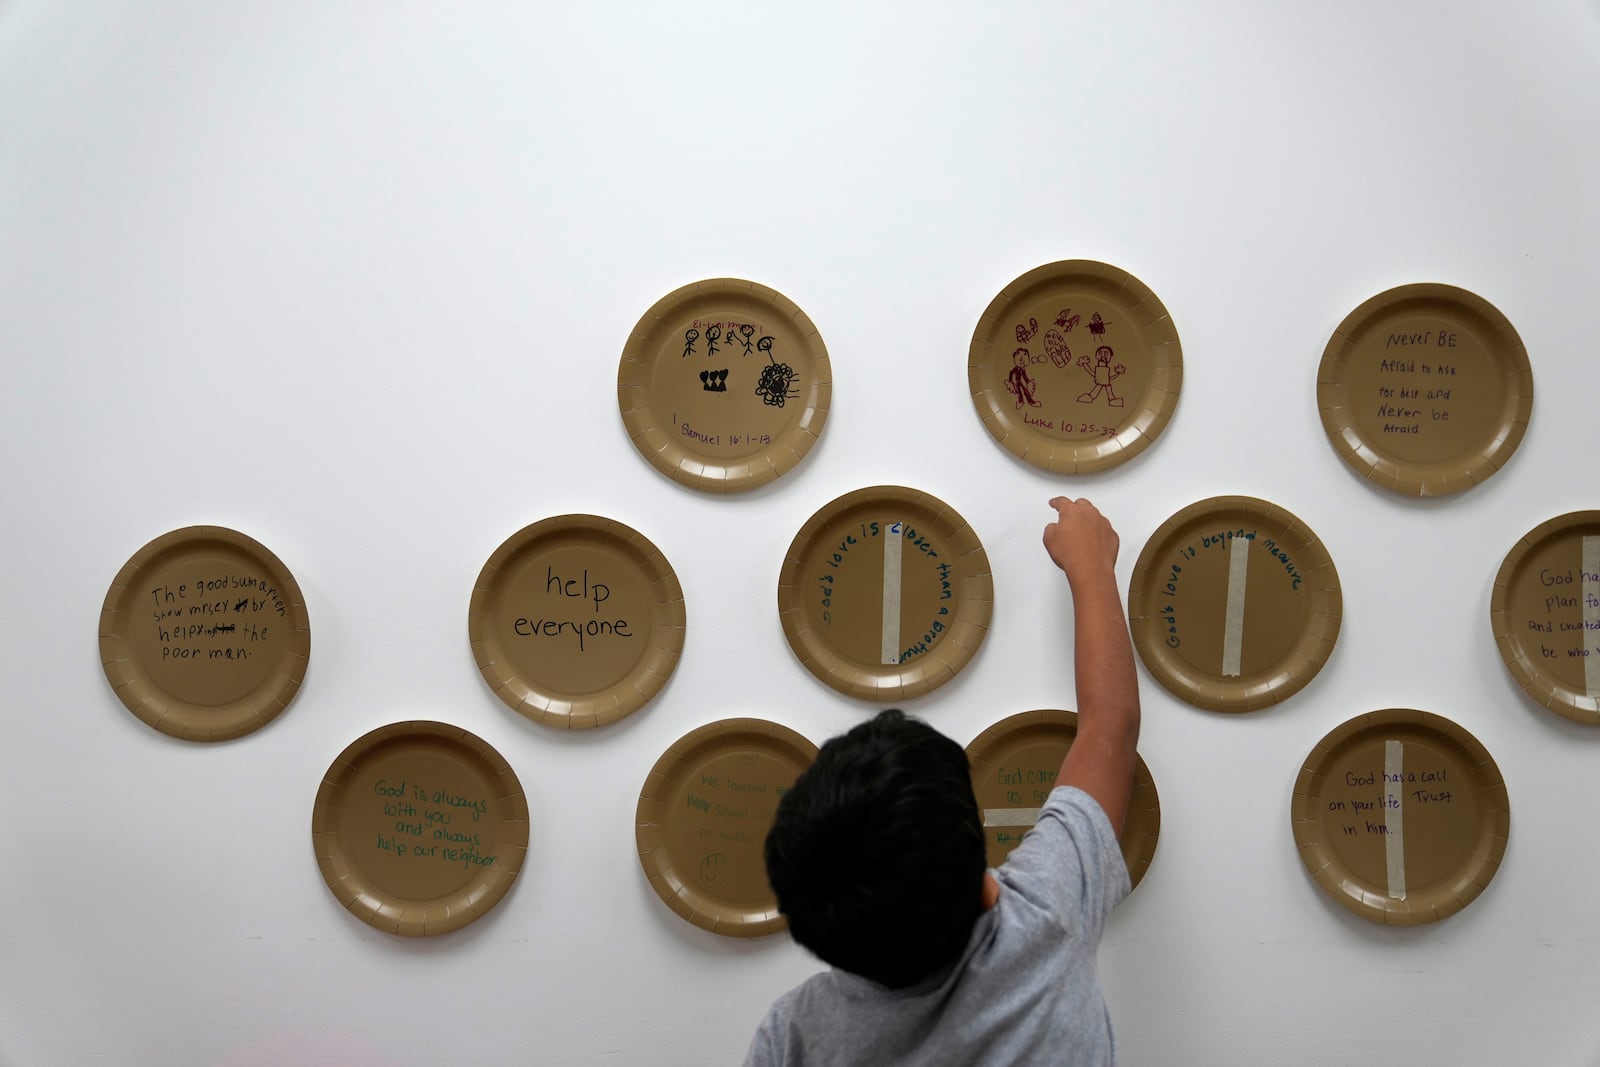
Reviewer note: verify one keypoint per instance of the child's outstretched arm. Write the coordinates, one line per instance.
(1102, 759)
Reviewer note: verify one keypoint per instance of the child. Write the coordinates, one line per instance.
(877, 859)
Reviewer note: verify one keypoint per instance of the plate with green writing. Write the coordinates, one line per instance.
(1234, 604)
(1545, 614)
(1425, 389)
(576, 621)
(885, 593)
(702, 819)
(1401, 816)
(204, 634)
(419, 828)
(1014, 768)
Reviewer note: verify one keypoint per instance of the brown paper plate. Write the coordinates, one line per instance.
(1545, 614)
(1425, 389)
(1401, 816)
(419, 828)
(724, 385)
(1234, 604)
(204, 634)
(885, 593)
(1014, 765)
(1075, 366)
(703, 817)
(576, 621)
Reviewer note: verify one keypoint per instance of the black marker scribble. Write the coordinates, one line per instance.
(776, 386)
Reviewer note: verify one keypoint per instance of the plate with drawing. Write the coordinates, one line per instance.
(1014, 767)
(1545, 614)
(702, 820)
(1425, 389)
(1234, 604)
(724, 385)
(576, 621)
(204, 634)
(885, 593)
(1401, 816)
(419, 828)
(1075, 367)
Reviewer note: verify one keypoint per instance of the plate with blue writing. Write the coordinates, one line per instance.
(576, 621)
(702, 819)
(1014, 768)
(724, 385)
(1401, 816)
(1234, 604)
(1075, 367)
(1545, 614)
(204, 634)
(419, 828)
(885, 593)
(1425, 389)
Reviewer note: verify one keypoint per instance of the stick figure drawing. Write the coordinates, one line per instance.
(1018, 382)
(1103, 374)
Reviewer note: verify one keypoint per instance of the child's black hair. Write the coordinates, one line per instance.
(877, 854)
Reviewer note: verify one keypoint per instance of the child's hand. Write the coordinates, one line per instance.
(1081, 540)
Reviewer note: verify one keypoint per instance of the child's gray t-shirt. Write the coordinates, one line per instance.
(1024, 992)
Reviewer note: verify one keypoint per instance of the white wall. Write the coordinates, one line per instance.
(354, 279)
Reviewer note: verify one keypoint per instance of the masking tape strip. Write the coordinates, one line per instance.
(1233, 627)
(1591, 614)
(1394, 840)
(1011, 816)
(892, 543)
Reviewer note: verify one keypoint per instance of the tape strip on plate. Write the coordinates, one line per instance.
(1394, 840)
(1591, 613)
(892, 542)
(1011, 816)
(1233, 626)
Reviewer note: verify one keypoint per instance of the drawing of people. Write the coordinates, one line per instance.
(1103, 374)
(1018, 382)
